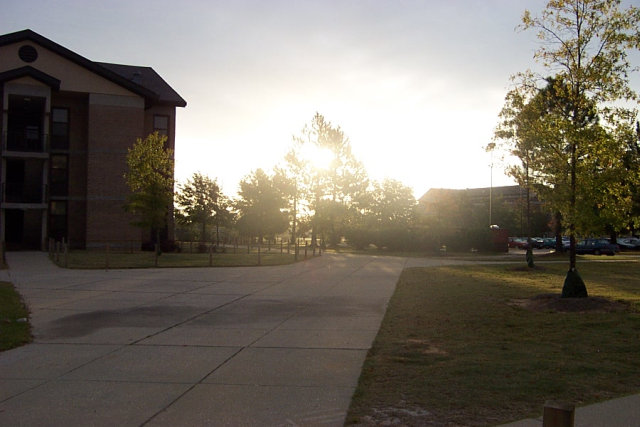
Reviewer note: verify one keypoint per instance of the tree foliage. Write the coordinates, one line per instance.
(261, 207)
(292, 178)
(632, 163)
(150, 180)
(387, 216)
(334, 191)
(200, 202)
(566, 129)
(344, 177)
(392, 204)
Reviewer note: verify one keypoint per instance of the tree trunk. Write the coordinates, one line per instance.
(314, 232)
(295, 217)
(558, 232)
(529, 256)
(574, 286)
(572, 210)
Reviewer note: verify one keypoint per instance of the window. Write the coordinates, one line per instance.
(60, 128)
(58, 208)
(58, 178)
(24, 123)
(161, 124)
(58, 219)
(32, 133)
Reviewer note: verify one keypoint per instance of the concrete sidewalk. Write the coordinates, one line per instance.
(227, 346)
(214, 346)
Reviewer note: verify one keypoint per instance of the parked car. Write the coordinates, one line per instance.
(596, 247)
(549, 243)
(628, 243)
(521, 242)
(517, 242)
(536, 243)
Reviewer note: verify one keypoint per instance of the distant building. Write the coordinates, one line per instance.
(66, 125)
(461, 205)
(512, 195)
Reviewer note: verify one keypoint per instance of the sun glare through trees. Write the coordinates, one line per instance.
(568, 128)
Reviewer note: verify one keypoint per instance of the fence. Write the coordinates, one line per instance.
(249, 245)
(128, 254)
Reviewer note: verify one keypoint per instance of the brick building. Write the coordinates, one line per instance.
(512, 195)
(66, 125)
(509, 207)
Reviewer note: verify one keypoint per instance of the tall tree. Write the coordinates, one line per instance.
(516, 129)
(585, 44)
(610, 182)
(150, 180)
(198, 202)
(336, 187)
(390, 214)
(293, 179)
(261, 206)
(392, 204)
(224, 216)
(632, 162)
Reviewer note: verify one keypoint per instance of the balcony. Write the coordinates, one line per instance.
(26, 141)
(20, 193)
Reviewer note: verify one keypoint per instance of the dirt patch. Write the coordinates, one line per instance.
(555, 303)
(401, 415)
(527, 268)
(424, 347)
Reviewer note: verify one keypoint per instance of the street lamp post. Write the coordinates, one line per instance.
(490, 147)
(491, 190)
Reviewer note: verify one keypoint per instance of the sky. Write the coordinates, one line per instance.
(416, 86)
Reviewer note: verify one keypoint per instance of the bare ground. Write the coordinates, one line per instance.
(554, 302)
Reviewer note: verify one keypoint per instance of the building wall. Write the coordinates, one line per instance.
(170, 112)
(162, 110)
(105, 119)
(33, 222)
(114, 125)
(73, 77)
(78, 107)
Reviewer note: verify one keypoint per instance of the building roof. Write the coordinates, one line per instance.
(148, 78)
(505, 191)
(31, 72)
(150, 86)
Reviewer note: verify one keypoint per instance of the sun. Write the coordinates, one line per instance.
(320, 158)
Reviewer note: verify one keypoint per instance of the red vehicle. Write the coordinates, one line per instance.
(517, 242)
(521, 242)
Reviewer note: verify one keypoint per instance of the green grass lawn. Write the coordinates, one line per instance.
(457, 348)
(100, 259)
(14, 331)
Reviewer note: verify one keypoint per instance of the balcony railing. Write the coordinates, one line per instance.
(24, 193)
(25, 141)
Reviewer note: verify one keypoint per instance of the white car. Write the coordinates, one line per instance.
(628, 243)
